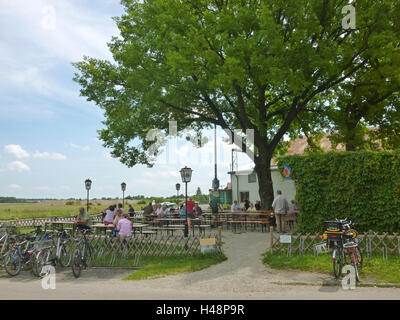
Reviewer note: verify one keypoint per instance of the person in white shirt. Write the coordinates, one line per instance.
(235, 206)
(110, 214)
(159, 210)
(281, 207)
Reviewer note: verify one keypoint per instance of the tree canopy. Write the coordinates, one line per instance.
(270, 66)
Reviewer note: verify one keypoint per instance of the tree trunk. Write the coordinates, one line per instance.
(265, 188)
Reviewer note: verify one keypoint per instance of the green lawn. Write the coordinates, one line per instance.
(155, 267)
(375, 269)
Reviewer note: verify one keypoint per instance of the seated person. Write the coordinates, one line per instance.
(258, 205)
(82, 220)
(148, 210)
(165, 211)
(110, 215)
(235, 206)
(251, 208)
(118, 217)
(159, 210)
(124, 227)
(198, 211)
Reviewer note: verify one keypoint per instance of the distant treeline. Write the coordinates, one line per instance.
(12, 200)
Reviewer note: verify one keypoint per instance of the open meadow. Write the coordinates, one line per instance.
(49, 208)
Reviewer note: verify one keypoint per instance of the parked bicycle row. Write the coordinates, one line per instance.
(44, 247)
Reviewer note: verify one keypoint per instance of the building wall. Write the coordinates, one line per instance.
(240, 184)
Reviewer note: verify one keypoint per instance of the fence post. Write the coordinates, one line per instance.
(271, 238)
(220, 237)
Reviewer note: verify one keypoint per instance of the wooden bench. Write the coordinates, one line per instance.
(172, 229)
(254, 222)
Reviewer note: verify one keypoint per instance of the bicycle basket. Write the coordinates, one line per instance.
(333, 226)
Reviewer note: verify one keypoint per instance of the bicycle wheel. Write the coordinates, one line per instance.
(76, 263)
(40, 260)
(12, 263)
(65, 255)
(359, 258)
(337, 262)
(354, 258)
(89, 256)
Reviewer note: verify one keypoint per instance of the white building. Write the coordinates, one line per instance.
(245, 185)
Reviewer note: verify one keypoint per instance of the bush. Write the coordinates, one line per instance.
(69, 203)
(142, 202)
(364, 185)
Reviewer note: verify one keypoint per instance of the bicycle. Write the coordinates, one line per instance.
(6, 239)
(61, 249)
(344, 243)
(83, 255)
(21, 253)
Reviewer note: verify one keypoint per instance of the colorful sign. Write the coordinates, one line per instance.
(287, 172)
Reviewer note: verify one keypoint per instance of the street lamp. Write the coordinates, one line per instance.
(177, 186)
(123, 187)
(88, 184)
(186, 174)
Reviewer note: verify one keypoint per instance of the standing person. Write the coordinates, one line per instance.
(234, 206)
(110, 215)
(131, 211)
(280, 206)
(258, 205)
(190, 214)
(215, 206)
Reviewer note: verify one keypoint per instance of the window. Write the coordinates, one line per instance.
(252, 178)
(244, 196)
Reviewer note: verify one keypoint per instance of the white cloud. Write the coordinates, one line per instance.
(48, 155)
(18, 166)
(16, 151)
(15, 186)
(82, 148)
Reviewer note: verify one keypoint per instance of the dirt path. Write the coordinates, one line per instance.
(242, 276)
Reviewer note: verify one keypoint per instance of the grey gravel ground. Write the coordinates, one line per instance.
(242, 276)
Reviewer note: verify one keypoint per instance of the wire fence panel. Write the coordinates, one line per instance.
(372, 242)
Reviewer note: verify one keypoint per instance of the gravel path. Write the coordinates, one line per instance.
(242, 276)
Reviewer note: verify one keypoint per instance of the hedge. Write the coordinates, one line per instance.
(364, 185)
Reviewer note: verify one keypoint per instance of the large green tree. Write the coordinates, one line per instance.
(369, 100)
(260, 65)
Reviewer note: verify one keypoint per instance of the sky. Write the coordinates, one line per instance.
(48, 133)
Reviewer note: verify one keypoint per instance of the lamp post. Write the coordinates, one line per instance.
(177, 186)
(123, 188)
(88, 184)
(186, 174)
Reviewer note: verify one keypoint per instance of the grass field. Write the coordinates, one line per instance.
(51, 208)
(374, 268)
(155, 267)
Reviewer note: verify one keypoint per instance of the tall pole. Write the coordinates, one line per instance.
(123, 199)
(87, 202)
(186, 222)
